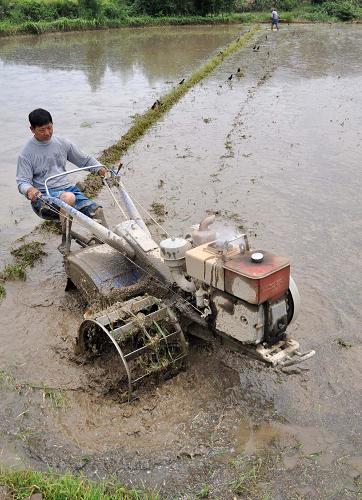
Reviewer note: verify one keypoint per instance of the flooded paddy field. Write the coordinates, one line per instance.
(277, 151)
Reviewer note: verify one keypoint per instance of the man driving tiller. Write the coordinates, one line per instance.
(46, 155)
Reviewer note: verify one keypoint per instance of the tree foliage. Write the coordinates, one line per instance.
(181, 7)
(265, 5)
(66, 12)
(343, 10)
(91, 8)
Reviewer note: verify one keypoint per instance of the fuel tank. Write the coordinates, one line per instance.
(238, 274)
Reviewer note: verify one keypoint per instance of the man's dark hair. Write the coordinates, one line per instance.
(40, 117)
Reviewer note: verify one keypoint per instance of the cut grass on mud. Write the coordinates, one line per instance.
(158, 209)
(25, 256)
(253, 472)
(7, 381)
(93, 183)
(50, 226)
(56, 397)
(23, 484)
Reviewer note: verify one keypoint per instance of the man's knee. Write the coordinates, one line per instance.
(68, 198)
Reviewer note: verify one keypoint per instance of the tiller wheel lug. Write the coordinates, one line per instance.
(145, 333)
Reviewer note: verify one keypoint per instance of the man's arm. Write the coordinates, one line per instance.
(24, 179)
(80, 159)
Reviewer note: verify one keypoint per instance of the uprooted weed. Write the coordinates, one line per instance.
(253, 472)
(25, 256)
(56, 397)
(159, 210)
(50, 226)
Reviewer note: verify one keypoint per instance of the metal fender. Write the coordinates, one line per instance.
(294, 301)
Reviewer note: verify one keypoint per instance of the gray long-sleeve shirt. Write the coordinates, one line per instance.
(39, 160)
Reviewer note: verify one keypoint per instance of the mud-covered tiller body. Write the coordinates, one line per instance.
(149, 294)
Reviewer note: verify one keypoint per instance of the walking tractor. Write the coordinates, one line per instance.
(148, 297)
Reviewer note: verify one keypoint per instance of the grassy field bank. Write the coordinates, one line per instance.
(42, 16)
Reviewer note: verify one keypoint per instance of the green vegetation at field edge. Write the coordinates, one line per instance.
(52, 486)
(42, 16)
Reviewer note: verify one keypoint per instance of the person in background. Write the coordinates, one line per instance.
(45, 155)
(274, 19)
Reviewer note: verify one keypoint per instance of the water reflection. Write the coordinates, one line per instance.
(157, 53)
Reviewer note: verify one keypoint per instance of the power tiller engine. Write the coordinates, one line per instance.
(245, 295)
(204, 285)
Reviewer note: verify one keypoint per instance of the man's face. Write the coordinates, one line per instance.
(43, 133)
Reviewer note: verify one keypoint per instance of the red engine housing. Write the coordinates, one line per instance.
(257, 282)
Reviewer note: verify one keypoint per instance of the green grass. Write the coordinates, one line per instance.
(57, 398)
(253, 474)
(25, 256)
(64, 24)
(304, 13)
(22, 484)
(50, 226)
(343, 343)
(7, 381)
(203, 493)
(92, 184)
(158, 209)
(24, 435)
(14, 272)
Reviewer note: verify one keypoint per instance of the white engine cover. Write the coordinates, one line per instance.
(240, 320)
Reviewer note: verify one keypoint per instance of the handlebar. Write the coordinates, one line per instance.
(67, 173)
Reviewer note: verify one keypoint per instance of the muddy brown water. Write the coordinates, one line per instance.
(277, 152)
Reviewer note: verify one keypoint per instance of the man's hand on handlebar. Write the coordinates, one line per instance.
(32, 194)
(103, 172)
